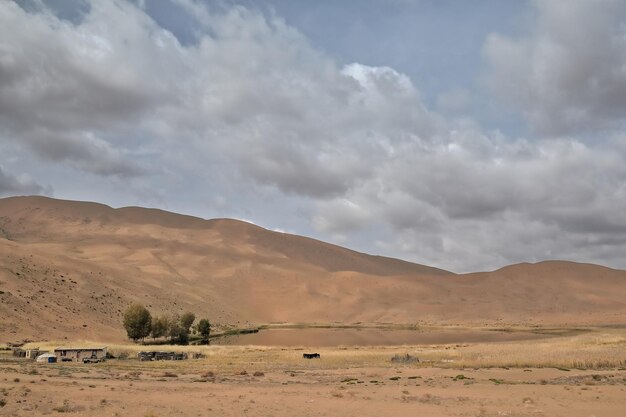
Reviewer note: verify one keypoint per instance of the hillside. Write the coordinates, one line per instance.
(68, 269)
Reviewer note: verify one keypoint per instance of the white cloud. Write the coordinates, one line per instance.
(253, 104)
(569, 73)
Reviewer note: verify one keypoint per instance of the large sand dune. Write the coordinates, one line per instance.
(68, 269)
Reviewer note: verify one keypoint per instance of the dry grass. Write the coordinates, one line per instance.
(598, 349)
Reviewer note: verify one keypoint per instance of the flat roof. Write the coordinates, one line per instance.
(83, 348)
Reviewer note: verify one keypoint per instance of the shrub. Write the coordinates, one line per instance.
(406, 358)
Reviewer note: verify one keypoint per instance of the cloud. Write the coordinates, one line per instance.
(23, 185)
(251, 115)
(467, 209)
(456, 101)
(63, 85)
(569, 73)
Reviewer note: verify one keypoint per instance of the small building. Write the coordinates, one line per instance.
(80, 354)
(27, 353)
(46, 358)
(34, 352)
(161, 356)
(19, 352)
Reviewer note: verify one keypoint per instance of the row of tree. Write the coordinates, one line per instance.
(139, 324)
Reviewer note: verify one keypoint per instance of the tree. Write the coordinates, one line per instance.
(177, 333)
(174, 329)
(137, 321)
(187, 320)
(160, 326)
(204, 328)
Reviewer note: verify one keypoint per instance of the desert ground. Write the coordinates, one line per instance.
(582, 374)
(543, 339)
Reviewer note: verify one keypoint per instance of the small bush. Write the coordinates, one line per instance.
(67, 407)
(406, 358)
(169, 374)
(258, 373)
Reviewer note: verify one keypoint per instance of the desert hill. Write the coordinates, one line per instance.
(69, 269)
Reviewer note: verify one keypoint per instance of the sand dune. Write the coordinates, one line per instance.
(68, 269)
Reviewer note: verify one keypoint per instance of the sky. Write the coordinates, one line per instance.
(462, 135)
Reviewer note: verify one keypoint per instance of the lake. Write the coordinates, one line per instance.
(329, 337)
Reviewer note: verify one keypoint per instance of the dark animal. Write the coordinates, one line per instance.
(311, 355)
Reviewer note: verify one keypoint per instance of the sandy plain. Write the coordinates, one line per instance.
(581, 374)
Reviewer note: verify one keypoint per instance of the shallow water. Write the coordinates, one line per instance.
(328, 337)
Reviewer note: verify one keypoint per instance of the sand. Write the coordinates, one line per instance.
(69, 269)
(164, 390)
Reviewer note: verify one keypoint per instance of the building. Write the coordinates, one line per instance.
(19, 353)
(80, 354)
(34, 352)
(27, 353)
(161, 356)
(46, 358)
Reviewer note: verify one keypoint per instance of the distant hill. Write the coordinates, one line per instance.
(69, 269)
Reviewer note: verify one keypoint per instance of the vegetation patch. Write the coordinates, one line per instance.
(406, 358)
(66, 407)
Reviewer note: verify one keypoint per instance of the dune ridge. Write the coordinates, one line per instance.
(68, 269)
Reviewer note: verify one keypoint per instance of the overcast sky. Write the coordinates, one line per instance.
(463, 135)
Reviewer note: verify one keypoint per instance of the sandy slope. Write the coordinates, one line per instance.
(68, 269)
